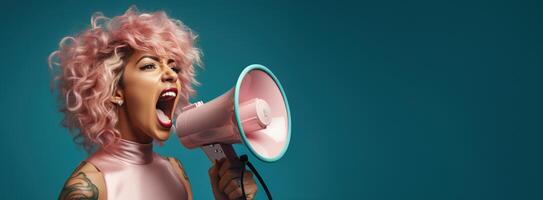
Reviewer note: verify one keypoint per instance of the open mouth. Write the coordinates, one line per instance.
(164, 107)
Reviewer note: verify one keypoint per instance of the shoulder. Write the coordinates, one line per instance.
(180, 170)
(178, 167)
(86, 182)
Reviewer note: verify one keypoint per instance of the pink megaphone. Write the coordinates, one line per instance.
(255, 112)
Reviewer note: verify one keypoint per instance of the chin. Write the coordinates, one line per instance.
(160, 134)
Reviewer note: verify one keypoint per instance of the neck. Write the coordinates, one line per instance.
(131, 152)
(128, 130)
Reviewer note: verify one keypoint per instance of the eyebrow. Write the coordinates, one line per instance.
(155, 58)
(151, 57)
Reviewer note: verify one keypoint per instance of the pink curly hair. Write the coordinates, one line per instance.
(91, 66)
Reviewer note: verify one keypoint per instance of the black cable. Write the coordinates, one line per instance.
(245, 161)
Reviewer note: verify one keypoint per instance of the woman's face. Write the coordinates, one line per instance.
(150, 90)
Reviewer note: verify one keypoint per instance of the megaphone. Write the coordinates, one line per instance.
(254, 112)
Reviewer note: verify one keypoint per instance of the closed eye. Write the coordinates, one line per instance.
(176, 69)
(173, 66)
(148, 67)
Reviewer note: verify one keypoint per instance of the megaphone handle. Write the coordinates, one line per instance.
(219, 151)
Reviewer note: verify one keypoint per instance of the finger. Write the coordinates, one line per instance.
(235, 194)
(229, 164)
(224, 183)
(227, 177)
(248, 175)
(232, 185)
(235, 183)
(232, 174)
(250, 186)
(250, 196)
(214, 172)
(250, 189)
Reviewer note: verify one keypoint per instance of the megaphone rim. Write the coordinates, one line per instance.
(238, 119)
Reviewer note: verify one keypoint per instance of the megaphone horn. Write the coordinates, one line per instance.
(255, 112)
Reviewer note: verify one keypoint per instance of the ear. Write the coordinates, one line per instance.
(118, 97)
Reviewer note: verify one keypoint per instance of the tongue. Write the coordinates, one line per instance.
(162, 117)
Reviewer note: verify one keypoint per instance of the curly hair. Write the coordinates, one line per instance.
(90, 67)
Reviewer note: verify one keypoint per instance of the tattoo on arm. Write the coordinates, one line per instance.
(83, 163)
(79, 187)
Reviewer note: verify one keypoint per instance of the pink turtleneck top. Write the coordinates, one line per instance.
(133, 171)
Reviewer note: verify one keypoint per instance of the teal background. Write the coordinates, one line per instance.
(389, 99)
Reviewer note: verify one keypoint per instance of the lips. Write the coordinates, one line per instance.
(164, 107)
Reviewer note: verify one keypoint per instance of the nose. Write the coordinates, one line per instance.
(169, 75)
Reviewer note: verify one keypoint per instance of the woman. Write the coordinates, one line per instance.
(121, 82)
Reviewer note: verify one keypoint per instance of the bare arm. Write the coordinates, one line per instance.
(181, 173)
(86, 183)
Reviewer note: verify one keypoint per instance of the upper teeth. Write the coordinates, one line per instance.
(168, 94)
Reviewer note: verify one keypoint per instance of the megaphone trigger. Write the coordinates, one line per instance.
(219, 151)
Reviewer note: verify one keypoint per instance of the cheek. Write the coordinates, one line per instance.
(140, 99)
(179, 85)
